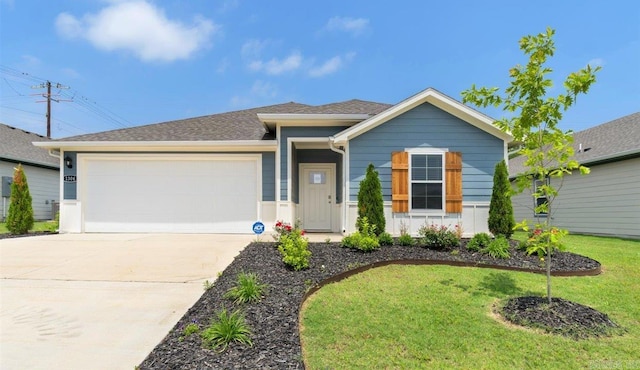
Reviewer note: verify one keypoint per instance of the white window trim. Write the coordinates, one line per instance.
(427, 151)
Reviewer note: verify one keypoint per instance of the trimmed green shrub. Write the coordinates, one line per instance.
(406, 240)
(501, 221)
(226, 328)
(370, 204)
(385, 238)
(295, 250)
(498, 247)
(364, 240)
(479, 242)
(247, 289)
(20, 216)
(438, 237)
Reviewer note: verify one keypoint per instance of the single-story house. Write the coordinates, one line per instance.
(42, 171)
(604, 202)
(220, 173)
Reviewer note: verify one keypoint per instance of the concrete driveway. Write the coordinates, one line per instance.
(100, 301)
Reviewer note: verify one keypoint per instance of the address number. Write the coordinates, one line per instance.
(70, 178)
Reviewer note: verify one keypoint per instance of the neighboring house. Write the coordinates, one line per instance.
(605, 202)
(221, 173)
(41, 169)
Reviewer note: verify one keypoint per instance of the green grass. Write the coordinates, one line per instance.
(441, 316)
(37, 226)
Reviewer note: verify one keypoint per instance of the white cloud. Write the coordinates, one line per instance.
(264, 89)
(596, 62)
(355, 26)
(253, 48)
(71, 73)
(278, 66)
(228, 5)
(139, 27)
(31, 60)
(332, 65)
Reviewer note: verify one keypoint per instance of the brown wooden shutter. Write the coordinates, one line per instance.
(400, 182)
(453, 181)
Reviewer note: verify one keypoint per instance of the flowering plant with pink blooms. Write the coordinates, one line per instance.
(282, 228)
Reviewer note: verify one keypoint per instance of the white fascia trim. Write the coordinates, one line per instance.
(230, 145)
(278, 171)
(435, 98)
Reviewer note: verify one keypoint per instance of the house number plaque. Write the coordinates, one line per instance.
(70, 178)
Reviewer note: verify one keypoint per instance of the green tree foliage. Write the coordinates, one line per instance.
(532, 119)
(20, 216)
(501, 221)
(370, 203)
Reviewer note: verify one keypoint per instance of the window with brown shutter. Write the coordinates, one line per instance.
(426, 185)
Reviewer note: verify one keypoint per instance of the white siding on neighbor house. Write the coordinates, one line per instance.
(43, 187)
(605, 202)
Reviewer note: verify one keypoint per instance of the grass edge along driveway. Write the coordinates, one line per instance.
(441, 316)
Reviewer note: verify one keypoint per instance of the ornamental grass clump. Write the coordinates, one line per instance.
(248, 289)
(438, 237)
(225, 329)
(498, 247)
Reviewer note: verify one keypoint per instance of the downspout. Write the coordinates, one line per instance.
(344, 182)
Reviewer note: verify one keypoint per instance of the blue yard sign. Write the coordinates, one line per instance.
(258, 227)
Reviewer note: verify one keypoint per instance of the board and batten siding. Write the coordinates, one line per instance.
(295, 131)
(427, 126)
(268, 174)
(43, 187)
(605, 202)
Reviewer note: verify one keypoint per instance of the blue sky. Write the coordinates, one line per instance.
(134, 62)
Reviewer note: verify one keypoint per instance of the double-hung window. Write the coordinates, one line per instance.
(427, 182)
(540, 200)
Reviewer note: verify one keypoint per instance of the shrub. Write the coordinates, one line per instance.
(498, 247)
(284, 228)
(364, 240)
(501, 221)
(479, 242)
(370, 204)
(247, 289)
(294, 250)
(385, 238)
(226, 328)
(190, 329)
(438, 237)
(406, 240)
(20, 216)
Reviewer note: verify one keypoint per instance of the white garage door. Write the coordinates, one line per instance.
(179, 193)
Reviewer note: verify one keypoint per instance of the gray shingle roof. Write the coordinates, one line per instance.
(16, 145)
(236, 125)
(614, 139)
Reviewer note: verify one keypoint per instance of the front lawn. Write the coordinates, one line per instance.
(441, 316)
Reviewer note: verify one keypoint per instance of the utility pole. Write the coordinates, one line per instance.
(49, 98)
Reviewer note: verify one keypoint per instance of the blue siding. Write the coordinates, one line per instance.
(307, 131)
(427, 126)
(318, 156)
(70, 189)
(268, 176)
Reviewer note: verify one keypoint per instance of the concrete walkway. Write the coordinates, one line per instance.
(100, 301)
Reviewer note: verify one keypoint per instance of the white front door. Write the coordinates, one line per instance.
(317, 195)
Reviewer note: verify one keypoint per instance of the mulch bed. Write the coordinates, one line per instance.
(274, 320)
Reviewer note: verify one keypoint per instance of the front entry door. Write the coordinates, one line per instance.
(317, 196)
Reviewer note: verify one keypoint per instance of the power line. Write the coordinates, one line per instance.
(49, 98)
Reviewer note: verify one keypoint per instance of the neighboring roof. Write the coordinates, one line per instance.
(609, 141)
(431, 96)
(16, 145)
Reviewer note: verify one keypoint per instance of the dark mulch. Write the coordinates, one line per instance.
(274, 320)
(560, 317)
(33, 233)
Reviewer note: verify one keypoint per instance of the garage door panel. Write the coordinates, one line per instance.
(170, 195)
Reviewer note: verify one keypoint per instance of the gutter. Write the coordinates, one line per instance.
(345, 195)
